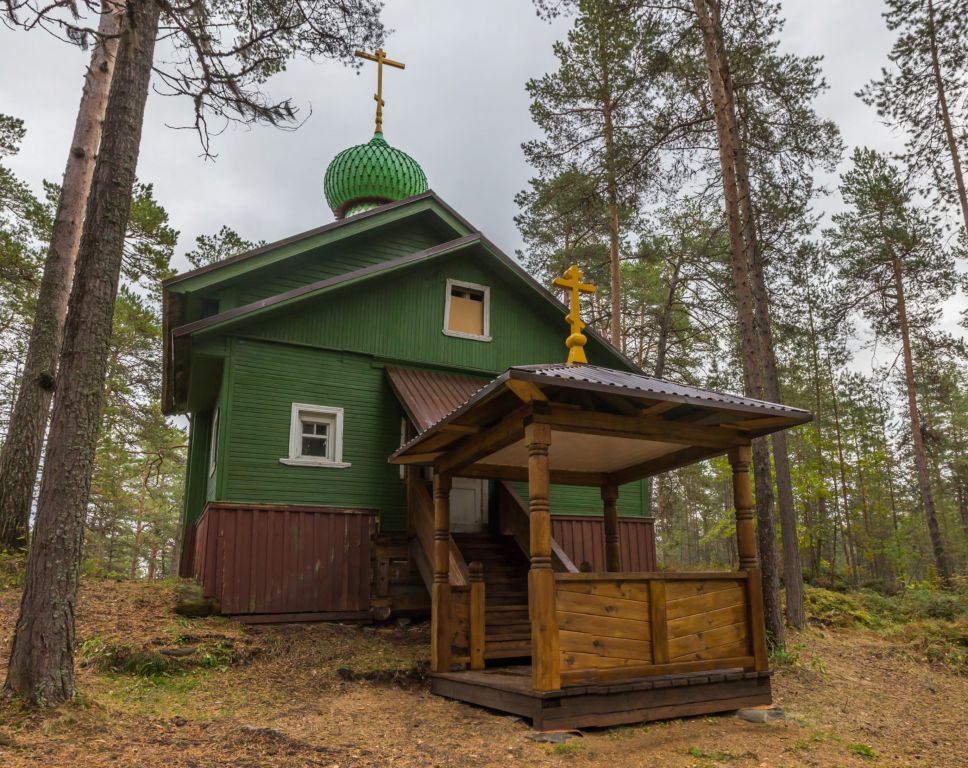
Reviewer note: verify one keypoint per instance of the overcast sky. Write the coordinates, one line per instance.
(459, 108)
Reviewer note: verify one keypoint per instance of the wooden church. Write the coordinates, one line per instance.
(383, 423)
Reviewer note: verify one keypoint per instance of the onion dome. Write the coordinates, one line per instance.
(371, 174)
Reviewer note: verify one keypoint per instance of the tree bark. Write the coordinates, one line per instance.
(917, 439)
(739, 227)
(611, 184)
(946, 114)
(41, 669)
(20, 456)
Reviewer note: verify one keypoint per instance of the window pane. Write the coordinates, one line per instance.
(314, 446)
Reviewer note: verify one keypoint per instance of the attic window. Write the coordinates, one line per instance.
(467, 311)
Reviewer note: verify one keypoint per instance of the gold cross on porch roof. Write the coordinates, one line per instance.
(572, 281)
(380, 57)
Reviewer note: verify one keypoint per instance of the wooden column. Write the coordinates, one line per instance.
(740, 458)
(440, 599)
(545, 661)
(613, 550)
(476, 628)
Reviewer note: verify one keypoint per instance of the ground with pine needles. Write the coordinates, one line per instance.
(873, 681)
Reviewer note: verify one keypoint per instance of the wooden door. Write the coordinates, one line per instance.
(468, 505)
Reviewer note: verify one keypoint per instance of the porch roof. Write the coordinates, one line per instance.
(620, 426)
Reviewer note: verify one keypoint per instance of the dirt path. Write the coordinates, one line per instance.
(331, 695)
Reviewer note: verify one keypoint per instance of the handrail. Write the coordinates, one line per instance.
(515, 518)
(421, 509)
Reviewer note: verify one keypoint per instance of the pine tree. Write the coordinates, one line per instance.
(897, 254)
(926, 91)
(594, 112)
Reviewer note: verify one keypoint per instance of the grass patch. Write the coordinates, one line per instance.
(863, 750)
(567, 749)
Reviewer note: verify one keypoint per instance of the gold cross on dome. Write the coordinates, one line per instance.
(572, 281)
(380, 57)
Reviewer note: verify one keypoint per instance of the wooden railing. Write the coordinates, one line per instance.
(421, 514)
(615, 626)
(514, 521)
(467, 618)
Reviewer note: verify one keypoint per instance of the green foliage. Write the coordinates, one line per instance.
(862, 749)
(225, 243)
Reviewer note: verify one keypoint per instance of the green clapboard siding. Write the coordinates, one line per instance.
(576, 500)
(401, 317)
(197, 468)
(389, 242)
(265, 379)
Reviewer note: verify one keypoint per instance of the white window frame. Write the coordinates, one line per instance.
(328, 413)
(213, 443)
(451, 284)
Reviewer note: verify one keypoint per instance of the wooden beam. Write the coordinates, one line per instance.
(462, 428)
(416, 458)
(520, 474)
(673, 460)
(507, 431)
(638, 427)
(525, 390)
(657, 408)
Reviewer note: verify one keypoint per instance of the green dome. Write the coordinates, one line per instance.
(369, 175)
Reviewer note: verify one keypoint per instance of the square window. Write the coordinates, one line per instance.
(467, 310)
(315, 436)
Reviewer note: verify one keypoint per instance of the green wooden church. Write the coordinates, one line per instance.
(302, 365)
(383, 423)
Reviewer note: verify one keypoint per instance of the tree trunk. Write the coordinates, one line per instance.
(731, 160)
(20, 456)
(849, 550)
(41, 669)
(946, 115)
(917, 439)
(613, 232)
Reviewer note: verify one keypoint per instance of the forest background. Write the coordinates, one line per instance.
(642, 213)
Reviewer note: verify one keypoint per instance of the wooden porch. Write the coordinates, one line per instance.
(606, 647)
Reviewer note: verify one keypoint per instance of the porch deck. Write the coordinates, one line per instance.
(580, 705)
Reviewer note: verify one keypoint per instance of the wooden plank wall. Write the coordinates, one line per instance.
(650, 624)
(583, 539)
(260, 559)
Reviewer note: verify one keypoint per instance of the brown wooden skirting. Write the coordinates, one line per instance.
(265, 559)
(583, 540)
(630, 701)
(280, 618)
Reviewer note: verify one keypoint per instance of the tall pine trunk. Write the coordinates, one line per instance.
(20, 456)
(611, 184)
(732, 162)
(917, 439)
(41, 669)
(946, 114)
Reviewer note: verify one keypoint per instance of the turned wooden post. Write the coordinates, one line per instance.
(440, 599)
(476, 627)
(740, 458)
(545, 661)
(613, 550)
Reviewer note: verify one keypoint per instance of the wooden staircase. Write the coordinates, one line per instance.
(507, 630)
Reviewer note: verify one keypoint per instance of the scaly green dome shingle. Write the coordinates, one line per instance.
(369, 175)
